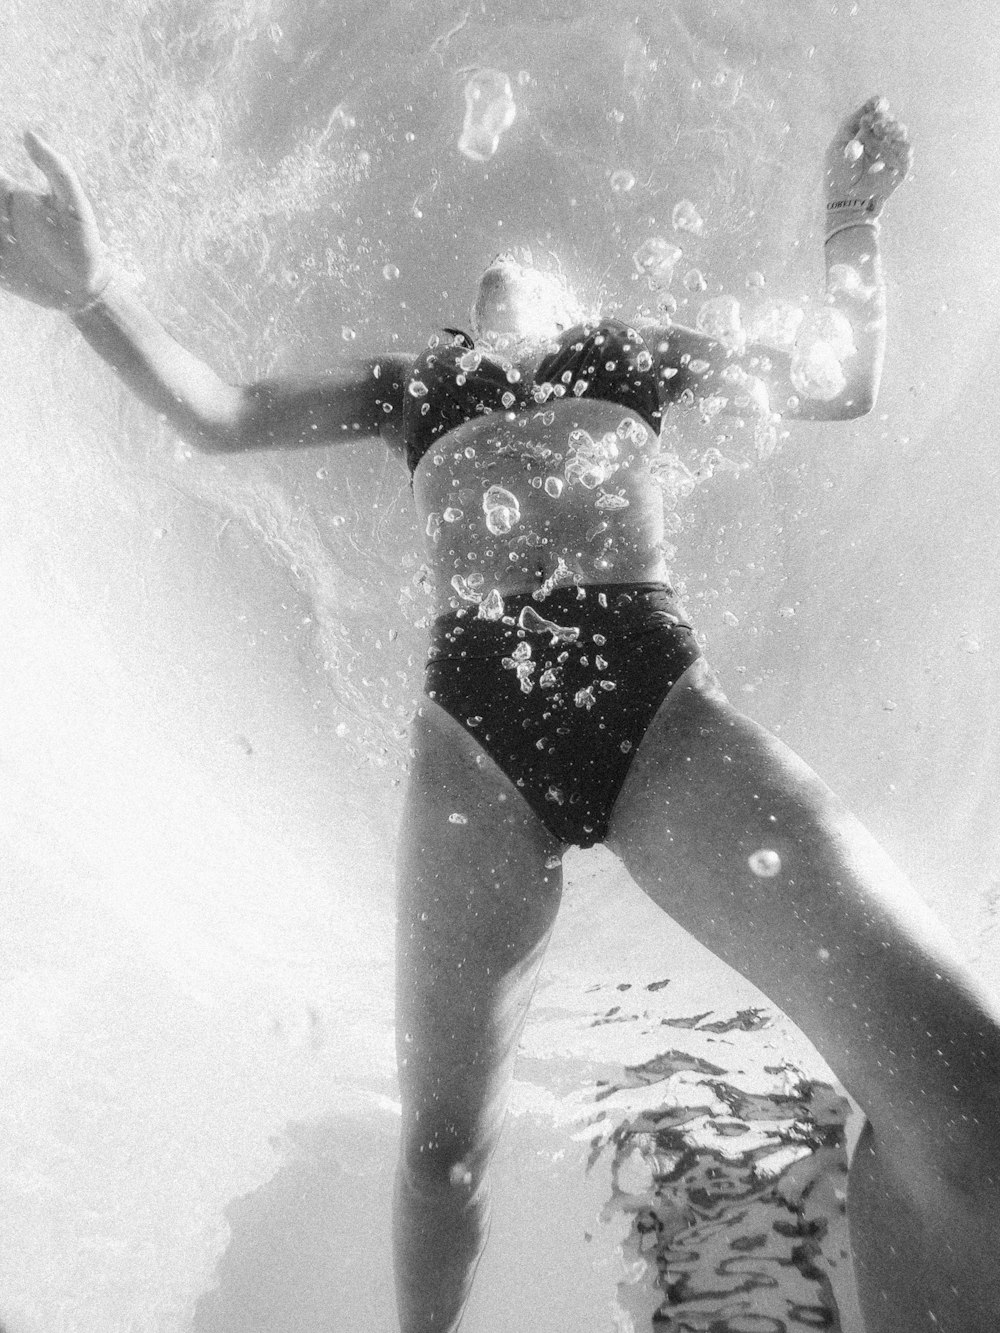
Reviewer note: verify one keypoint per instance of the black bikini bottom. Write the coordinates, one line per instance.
(560, 692)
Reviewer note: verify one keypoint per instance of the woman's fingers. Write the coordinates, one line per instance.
(63, 179)
(851, 124)
(885, 141)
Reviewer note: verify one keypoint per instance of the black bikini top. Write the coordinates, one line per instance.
(452, 381)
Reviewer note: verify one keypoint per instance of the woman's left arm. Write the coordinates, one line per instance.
(832, 370)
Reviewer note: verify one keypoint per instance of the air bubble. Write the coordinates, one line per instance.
(622, 181)
(491, 607)
(390, 272)
(417, 389)
(657, 258)
(464, 589)
(489, 110)
(553, 487)
(347, 333)
(500, 521)
(720, 319)
(694, 280)
(816, 372)
(686, 217)
(846, 280)
(502, 510)
(776, 325)
(827, 326)
(765, 863)
(530, 620)
(588, 474)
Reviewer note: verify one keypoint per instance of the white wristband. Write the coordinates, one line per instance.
(872, 223)
(857, 212)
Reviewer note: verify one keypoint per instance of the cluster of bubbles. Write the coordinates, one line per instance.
(524, 667)
(590, 463)
(490, 109)
(657, 257)
(824, 340)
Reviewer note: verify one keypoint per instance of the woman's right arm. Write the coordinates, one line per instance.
(51, 254)
(361, 398)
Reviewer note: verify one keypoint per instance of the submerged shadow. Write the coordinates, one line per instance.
(309, 1250)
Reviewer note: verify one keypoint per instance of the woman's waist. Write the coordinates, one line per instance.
(595, 613)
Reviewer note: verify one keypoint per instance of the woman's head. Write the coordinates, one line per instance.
(516, 300)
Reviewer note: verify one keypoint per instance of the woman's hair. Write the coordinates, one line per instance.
(552, 299)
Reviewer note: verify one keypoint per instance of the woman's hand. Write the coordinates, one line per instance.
(50, 249)
(868, 158)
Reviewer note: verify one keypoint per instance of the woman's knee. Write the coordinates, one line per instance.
(448, 1154)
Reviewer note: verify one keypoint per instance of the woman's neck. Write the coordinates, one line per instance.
(516, 346)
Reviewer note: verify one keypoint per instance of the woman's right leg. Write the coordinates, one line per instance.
(479, 883)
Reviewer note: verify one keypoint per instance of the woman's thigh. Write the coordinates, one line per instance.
(739, 841)
(479, 883)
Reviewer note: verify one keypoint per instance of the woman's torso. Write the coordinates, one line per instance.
(546, 492)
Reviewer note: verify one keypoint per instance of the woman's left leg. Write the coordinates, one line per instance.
(740, 842)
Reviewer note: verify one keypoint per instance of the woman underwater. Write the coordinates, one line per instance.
(567, 701)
